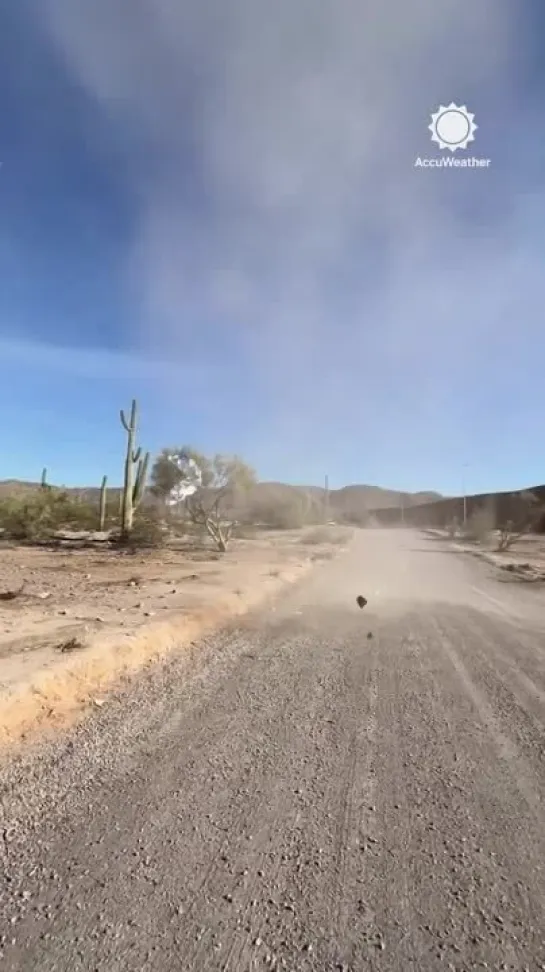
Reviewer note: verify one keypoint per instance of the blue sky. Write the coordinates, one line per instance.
(214, 207)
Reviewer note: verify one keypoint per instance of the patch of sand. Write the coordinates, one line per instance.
(524, 560)
(85, 617)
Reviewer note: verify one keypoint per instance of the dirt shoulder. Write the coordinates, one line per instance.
(80, 618)
(524, 561)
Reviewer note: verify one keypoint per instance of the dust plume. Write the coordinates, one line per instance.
(279, 217)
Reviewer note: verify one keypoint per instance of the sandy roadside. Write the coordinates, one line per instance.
(524, 561)
(81, 619)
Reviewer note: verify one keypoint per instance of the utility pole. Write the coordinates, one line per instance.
(464, 493)
(326, 499)
(402, 509)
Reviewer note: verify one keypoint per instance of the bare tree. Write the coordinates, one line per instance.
(510, 532)
(209, 489)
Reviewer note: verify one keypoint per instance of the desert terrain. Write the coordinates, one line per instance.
(314, 788)
(73, 620)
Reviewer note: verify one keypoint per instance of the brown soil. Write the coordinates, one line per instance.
(84, 615)
(293, 796)
(524, 561)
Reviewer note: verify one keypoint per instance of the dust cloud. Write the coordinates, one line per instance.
(279, 219)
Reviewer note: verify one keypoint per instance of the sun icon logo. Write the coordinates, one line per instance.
(452, 127)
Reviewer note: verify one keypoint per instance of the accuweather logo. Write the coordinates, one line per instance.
(452, 128)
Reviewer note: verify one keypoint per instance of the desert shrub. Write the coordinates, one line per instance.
(530, 510)
(37, 517)
(288, 509)
(479, 525)
(327, 534)
(508, 535)
(284, 516)
(148, 531)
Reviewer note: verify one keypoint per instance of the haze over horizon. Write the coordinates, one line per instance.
(215, 209)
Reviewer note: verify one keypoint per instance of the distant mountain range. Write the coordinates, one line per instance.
(348, 501)
(353, 499)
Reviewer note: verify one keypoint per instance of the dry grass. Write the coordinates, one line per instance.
(107, 615)
(327, 535)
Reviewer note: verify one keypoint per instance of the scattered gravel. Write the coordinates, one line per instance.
(293, 795)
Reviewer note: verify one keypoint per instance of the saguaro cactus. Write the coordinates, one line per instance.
(44, 483)
(103, 494)
(134, 482)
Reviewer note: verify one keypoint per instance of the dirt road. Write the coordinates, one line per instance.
(297, 795)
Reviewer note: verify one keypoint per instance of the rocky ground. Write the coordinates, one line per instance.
(58, 604)
(524, 561)
(318, 788)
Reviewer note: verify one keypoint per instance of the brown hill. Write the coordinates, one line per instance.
(353, 499)
(19, 488)
(348, 501)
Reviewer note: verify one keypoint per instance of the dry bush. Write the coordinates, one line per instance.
(278, 513)
(479, 526)
(508, 535)
(37, 517)
(529, 513)
(148, 532)
(327, 534)
(208, 489)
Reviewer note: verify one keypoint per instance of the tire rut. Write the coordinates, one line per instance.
(484, 703)
(309, 801)
(456, 876)
(246, 800)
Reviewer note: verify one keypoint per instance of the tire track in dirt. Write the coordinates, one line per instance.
(520, 772)
(504, 822)
(247, 797)
(354, 814)
(493, 647)
(281, 924)
(291, 921)
(452, 880)
(389, 830)
(397, 941)
(247, 847)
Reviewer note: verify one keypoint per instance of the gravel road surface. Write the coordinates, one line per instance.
(296, 794)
